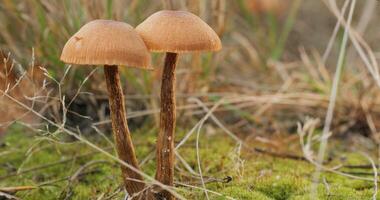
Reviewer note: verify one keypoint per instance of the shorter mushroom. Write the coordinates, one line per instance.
(173, 32)
(111, 43)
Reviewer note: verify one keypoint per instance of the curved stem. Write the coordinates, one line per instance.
(122, 136)
(165, 141)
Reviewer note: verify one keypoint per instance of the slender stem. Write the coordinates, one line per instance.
(332, 101)
(165, 141)
(122, 136)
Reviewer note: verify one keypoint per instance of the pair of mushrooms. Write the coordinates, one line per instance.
(111, 43)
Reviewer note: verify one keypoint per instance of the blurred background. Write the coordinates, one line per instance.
(269, 46)
(275, 72)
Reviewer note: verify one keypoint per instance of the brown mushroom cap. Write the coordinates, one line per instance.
(178, 32)
(106, 42)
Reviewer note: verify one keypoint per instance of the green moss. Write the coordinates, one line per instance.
(336, 192)
(280, 187)
(239, 192)
(253, 176)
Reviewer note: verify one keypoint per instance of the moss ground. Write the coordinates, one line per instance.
(51, 166)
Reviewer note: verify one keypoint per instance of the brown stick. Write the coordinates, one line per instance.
(165, 141)
(122, 136)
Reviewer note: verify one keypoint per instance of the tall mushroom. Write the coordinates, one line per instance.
(173, 32)
(111, 43)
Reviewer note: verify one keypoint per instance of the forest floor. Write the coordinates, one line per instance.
(72, 170)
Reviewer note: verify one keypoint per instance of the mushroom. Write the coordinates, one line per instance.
(275, 7)
(111, 43)
(173, 32)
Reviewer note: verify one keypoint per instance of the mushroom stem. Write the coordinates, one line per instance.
(165, 141)
(124, 146)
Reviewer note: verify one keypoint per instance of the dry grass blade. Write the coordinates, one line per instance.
(330, 112)
(16, 189)
(375, 176)
(335, 32)
(8, 196)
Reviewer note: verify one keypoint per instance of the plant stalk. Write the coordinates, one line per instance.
(165, 141)
(134, 182)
